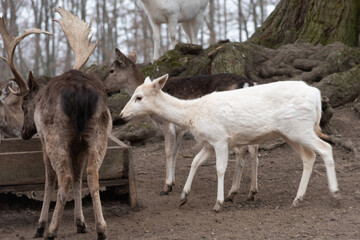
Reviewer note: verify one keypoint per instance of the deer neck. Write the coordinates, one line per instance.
(134, 82)
(180, 112)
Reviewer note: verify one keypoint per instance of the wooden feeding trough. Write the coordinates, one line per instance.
(22, 168)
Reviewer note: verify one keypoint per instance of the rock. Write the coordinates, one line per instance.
(357, 109)
(341, 87)
(98, 70)
(136, 131)
(116, 103)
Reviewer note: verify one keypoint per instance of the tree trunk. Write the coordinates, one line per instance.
(240, 19)
(210, 23)
(311, 21)
(253, 13)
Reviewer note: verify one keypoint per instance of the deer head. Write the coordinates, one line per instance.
(123, 73)
(76, 31)
(28, 107)
(144, 98)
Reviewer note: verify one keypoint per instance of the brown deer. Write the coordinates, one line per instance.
(73, 122)
(123, 73)
(11, 114)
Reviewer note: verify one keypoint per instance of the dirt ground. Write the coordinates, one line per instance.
(270, 216)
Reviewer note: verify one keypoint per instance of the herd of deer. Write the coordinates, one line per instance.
(222, 111)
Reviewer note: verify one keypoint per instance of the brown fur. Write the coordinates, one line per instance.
(123, 73)
(65, 148)
(198, 86)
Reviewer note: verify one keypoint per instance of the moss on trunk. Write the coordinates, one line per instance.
(311, 21)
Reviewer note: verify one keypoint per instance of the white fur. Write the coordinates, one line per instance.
(188, 12)
(223, 120)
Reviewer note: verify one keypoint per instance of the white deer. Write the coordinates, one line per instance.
(189, 13)
(123, 73)
(224, 120)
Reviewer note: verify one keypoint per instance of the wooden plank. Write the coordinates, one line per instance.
(9, 145)
(40, 186)
(28, 167)
(22, 168)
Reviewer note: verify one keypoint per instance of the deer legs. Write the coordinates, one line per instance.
(221, 163)
(253, 150)
(63, 172)
(49, 189)
(156, 39)
(201, 157)
(222, 154)
(77, 183)
(65, 178)
(306, 149)
(240, 156)
(173, 139)
(92, 171)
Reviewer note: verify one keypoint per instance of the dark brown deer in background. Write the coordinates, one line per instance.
(123, 73)
(73, 122)
(11, 114)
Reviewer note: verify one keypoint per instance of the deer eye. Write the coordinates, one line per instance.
(138, 98)
(112, 71)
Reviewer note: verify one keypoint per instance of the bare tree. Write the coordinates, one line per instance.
(122, 24)
(210, 22)
(253, 4)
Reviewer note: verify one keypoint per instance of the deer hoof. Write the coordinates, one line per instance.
(250, 197)
(50, 236)
(102, 235)
(81, 227)
(217, 207)
(230, 197)
(337, 198)
(167, 190)
(296, 203)
(183, 199)
(39, 232)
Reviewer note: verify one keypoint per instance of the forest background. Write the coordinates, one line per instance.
(116, 23)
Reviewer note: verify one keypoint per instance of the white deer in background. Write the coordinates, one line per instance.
(190, 13)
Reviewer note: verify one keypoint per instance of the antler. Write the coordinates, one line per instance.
(4, 84)
(10, 43)
(77, 32)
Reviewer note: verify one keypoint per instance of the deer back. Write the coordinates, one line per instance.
(67, 104)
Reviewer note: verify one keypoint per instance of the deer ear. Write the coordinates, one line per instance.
(33, 85)
(132, 56)
(160, 82)
(120, 56)
(147, 80)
